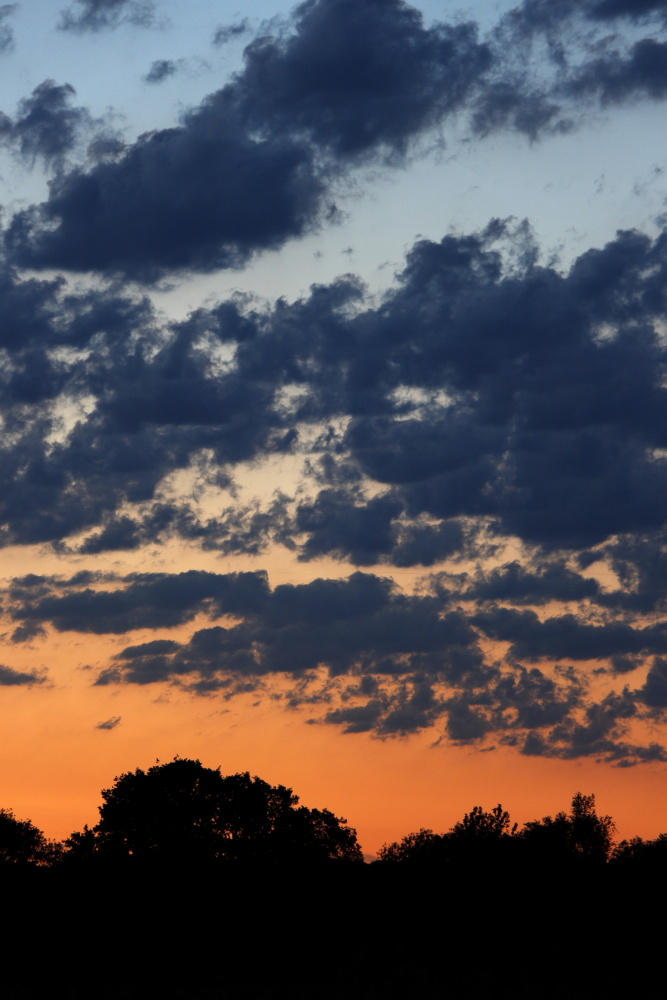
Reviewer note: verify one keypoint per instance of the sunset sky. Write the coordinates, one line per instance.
(334, 412)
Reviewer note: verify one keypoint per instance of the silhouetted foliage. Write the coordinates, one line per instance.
(183, 812)
(23, 843)
(580, 835)
(478, 838)
(423, 847)
(478, 826)
(647, 853)
(488, 838)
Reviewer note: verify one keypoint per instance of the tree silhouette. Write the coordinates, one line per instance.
(478, 826)
(581, 835)
(23, 843)
(647, 853)
(487, 838)
(479, 836)
(184, 812)
(423, 847)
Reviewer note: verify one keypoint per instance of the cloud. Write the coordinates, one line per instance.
(99, 15)
(654, 691)
(517, 584)
(346, 82)
(17, 678)
(250, 168)
(160, 70)
(479, 396)
(359, 76)
(7, 41)
(201, 196)
(634, 9)
(46, 126)
(227, 32)
(371, 658)
(150, 600)
(618, 78)
(109, 724)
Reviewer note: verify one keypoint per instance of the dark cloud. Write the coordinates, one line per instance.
(336, 525)
(6, 30)
(517, 584)
(554, 62)
(619, 77)
(358, 623)
(149, 600)
(46, 125)
(362, 623)
(250, 168)
(553, 17)
(393, 663)
(108, 724)
(155, 647)
(226, 32)
(347, 81)
(560, 459)
(634, 9)
(566, 636)
(549, 432)
(26, 632)
(640, 564)
(599, 734)
(654, 691)
(13, 678)
(160, 70)
(99, 15)
(510, 106)
(200, 196)
(485, 398)
(530, 699)
(357, 76)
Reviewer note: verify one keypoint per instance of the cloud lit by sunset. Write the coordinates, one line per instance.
(334, 419)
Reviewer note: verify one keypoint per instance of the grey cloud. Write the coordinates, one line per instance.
(517, 584)
(149, 600)
(566, 637)
(251, 167)
(600, 734)
(621, 77)
(109, 724)
(161, 70)
(349, 81)
(654, 691)
(18, 678)
(357, 76)
(46, 125)
(7, 41)
(395, 663)
(226, 32)
(207, 195)
(100, 15)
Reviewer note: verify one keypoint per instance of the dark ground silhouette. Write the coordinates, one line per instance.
(550, 911)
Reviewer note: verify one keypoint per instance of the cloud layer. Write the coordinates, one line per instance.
(495, 420)
(348, 82)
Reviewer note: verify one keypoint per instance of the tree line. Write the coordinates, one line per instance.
(181, 812)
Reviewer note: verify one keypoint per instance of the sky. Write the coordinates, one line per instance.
(334, 417)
